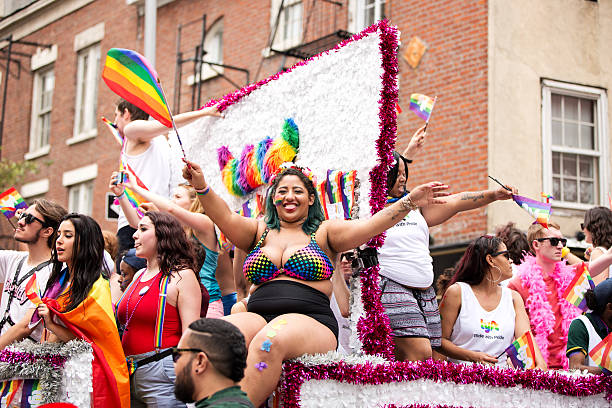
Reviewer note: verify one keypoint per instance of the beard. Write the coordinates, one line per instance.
(30, 240)
(184, 387)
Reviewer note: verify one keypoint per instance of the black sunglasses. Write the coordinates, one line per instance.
(349, 256)
(176, 352)
(506, 254)
(554, 241)
(29, 219)
(581, 226)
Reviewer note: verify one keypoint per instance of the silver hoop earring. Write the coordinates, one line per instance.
(499, 277)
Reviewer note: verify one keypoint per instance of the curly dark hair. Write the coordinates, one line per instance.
(174, 251)
(591, 302)
(224, 345)
(315, 211)
(598, 221)
(515, 240)
(87, 259)
(472, 267)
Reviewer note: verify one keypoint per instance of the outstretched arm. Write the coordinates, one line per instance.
(344, 235)
(601, 263)
(146, 130)
(437, 214)
(417, 141)
(119, 191)
(238, 229)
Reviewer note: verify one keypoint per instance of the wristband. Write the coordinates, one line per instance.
(120, 195)
(203, 191)
(408, 204)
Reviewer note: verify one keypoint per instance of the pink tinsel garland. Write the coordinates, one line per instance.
(295, 374)
(540, 311)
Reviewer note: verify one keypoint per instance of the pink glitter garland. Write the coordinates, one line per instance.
(421, 406)
(295, 374)
(20, 357)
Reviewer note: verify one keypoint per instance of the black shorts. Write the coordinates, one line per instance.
(280, 297)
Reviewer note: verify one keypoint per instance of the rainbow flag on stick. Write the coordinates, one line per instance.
(539, 210)
(113, 129)
(422, 105)
(10, 202)
(522, 352)
(577, 288)
(601, 353)
(32, 291)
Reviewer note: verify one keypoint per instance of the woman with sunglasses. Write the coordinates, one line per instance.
(157, 308)
(597, 228)
(480, 318)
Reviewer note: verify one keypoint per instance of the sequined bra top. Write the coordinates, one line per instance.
(309, 263)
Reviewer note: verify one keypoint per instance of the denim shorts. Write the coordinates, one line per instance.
(152, 385)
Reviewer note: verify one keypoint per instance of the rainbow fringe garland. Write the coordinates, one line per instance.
(257, 164)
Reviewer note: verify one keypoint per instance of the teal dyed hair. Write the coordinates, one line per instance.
(315, 211)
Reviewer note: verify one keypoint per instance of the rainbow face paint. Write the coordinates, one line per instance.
(277, 201)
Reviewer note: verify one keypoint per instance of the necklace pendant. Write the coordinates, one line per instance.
(143, 291)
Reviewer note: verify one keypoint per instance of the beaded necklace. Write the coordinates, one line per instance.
(142, 293)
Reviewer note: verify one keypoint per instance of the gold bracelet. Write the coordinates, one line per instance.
(408, 204)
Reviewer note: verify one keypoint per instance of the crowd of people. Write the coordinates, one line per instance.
(194, 321)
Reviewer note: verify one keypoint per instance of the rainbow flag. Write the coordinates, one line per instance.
(577, 288)
(321, 189)
(10, 202)
(114, 131)
(539, 210)
(333, 188)
(522, 352)
(348, 192)
(129, 75)
(94, 321)
(422, 105)
(32, 291)
(601, 353)
(8, 392)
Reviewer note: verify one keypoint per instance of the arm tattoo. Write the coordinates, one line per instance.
(473, 197)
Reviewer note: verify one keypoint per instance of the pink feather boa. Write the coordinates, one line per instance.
(540, 311)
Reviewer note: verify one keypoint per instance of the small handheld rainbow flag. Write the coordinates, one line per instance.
(548, 197)
(10, 202)
(348, 192)
(113, 129)
(522, 352)
(579, 285)
(129, 75)
(422, 105)
(31, 290)
(601, 353)
(539, 210)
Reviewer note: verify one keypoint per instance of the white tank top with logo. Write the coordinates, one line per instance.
(478, 330)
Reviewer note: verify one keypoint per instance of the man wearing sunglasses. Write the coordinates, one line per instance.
(209, 362)
(541, 281)
(36, 227)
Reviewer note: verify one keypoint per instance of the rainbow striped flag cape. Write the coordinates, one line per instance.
(522, 352)
(579, 285)
(539, 210)
(601, 353)
(422, 105)
(129, 75)
(94, 321)
(10, 202)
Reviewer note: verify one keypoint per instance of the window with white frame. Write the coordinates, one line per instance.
(88, 63)
(367, 12)
(289, 30)
(80, 198)
(574, 144)
(42, 100)
(213, 45)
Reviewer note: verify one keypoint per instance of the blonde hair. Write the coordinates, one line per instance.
(536, 231)
(195, 207)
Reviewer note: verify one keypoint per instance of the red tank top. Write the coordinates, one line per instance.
(139, 312)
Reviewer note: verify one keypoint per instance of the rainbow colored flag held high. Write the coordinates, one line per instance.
(10, 202)
(601, 353)
(422, 105)
(129, 75)
(539, 210)
(114, 131)
(522, 352)
(577, 288)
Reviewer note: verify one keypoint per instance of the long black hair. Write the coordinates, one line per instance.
(394, 170)
(473, 266)
(87, 259)
(315, 211)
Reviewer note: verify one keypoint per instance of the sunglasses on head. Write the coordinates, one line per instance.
(506, 254)
(554, 241)
(176, 352)
(29, 218)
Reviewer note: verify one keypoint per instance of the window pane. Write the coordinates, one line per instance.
(586, 110)
(557, 132)
(586, 192)
(587, 137)
(571, 107)
(555, 101)
(556, 187)
(569, 165)
(586, 167)
(556, 163)
(569, 190)
(73, 203)
(571, 135)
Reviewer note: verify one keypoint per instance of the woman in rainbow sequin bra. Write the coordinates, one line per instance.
(289, 263)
